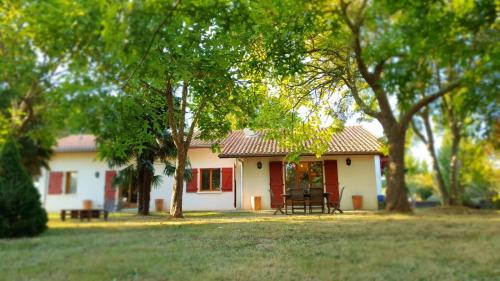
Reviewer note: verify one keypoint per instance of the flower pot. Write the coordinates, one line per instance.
(87, 204)
(357, 202)
(159, 205)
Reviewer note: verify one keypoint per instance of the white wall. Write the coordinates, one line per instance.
(359, 179)
(199, 158)
(89, 187)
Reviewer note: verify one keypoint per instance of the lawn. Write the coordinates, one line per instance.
(428, 245)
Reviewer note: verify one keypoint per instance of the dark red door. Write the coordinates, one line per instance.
(276, 181)
(332, 179)
(109, 190)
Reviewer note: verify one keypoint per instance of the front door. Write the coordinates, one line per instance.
(332, 179)
(109, 191)
(276, 182)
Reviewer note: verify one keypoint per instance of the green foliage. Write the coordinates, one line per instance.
(309, 52)
(131, 136)
(425, 192)
(479, 170)
(419, 178)
(21, 213)
(198, 43)
(43, 45)
(480, 173)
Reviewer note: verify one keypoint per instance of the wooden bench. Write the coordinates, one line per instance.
(84, 214)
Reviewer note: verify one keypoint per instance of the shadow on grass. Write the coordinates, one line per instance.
(118, 223)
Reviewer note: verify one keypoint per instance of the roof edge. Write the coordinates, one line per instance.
(247, 155)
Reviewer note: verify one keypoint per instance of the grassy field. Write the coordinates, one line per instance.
(245, 246)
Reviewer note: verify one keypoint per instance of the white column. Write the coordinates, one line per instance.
(378, 174)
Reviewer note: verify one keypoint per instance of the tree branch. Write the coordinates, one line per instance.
(370, 78)
(417, 132)
(406, 118)
(155, 34)
(169, 94)
(182, 117)
(195, 120)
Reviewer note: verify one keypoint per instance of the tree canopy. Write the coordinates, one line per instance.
(390, 58)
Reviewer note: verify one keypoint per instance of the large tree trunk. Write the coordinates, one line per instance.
(146, 189)
(397, 194)
(176, 201)
(140, 188)
(455, 188)
(145, 179)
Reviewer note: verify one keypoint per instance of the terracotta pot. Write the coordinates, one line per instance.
(357, 202)
(159, 205)
(87, 204)
(256, 203)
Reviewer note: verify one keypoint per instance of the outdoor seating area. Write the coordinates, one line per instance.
(308, 199)
(84, 214)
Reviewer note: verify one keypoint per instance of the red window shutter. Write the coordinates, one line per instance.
(192, 185)
(55, 182)
(276, 182)
(109, 190)
(332, 179)
(227, 179)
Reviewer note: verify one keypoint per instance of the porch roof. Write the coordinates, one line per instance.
(352, 140)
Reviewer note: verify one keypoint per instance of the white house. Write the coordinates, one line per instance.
(249, 165)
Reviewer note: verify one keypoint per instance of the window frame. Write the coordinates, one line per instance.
(211, 188)
(67, 182)
(309, 168)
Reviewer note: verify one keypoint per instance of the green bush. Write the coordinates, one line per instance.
(425, 192)
(21, 213)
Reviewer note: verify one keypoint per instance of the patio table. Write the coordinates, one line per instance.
(306, 196)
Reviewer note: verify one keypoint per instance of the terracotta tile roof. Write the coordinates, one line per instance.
(76, 143)
(197, 143)
(352, 140)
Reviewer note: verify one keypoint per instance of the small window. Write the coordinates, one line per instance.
(70, 183)
(210, 180)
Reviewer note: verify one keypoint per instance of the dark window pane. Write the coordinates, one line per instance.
(216, 179)
(316, 174)
(290, 176)
(205, 180)
(303, 175)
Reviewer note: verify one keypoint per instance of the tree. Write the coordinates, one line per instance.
(21, 213)
(130, 135)
(188, 53)
(41, 44)
(481, 179)
(381, 54)
(467, 113)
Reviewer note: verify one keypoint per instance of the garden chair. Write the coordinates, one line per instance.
(335, 204)
(279, 204)
(316, 199)
(296, 200)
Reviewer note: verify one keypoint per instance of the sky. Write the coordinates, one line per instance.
(418, 149)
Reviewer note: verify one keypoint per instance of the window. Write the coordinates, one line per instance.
(70, 183)
(304, 175)
(210, 180)
(290, 176)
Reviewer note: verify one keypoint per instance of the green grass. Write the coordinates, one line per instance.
(246, 246)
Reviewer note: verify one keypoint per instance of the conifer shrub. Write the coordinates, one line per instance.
(21, 212)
